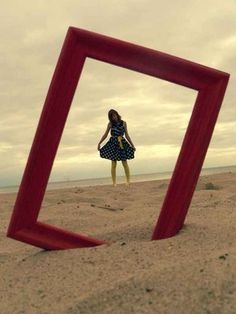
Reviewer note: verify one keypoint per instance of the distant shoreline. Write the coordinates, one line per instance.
(120, 179)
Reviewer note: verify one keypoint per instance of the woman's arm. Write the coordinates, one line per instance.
(104, 135)
(127, 135)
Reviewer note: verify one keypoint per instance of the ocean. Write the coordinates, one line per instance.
(120, 179)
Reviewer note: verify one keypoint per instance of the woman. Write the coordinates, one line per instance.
(117, 148)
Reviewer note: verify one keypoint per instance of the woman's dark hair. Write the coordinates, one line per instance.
(110, 113)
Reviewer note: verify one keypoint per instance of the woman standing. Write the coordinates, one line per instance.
(117, 147)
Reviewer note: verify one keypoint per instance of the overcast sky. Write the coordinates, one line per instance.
(156, 112)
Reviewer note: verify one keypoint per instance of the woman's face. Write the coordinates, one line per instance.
(114, 117)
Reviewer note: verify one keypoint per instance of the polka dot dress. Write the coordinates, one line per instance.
(117, 148)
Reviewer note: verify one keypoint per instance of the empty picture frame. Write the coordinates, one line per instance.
(78, 45)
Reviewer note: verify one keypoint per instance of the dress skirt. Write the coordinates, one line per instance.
(117, 148)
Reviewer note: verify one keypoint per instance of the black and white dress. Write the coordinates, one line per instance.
(117, 147)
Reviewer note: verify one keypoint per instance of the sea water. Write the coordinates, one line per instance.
(120, 179)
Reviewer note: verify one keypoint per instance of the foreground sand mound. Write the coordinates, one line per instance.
(194, 272)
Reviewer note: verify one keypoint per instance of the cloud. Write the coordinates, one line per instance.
(157, 112)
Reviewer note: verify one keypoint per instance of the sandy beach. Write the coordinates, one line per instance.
(193, 272)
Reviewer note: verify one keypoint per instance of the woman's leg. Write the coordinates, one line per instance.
(127, 172)
(113, 171)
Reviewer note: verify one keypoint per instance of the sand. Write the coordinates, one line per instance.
(193, 272)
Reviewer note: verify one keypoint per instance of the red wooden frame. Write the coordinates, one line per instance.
(79, 44)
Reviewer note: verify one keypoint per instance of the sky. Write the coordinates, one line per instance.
(157, 112)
